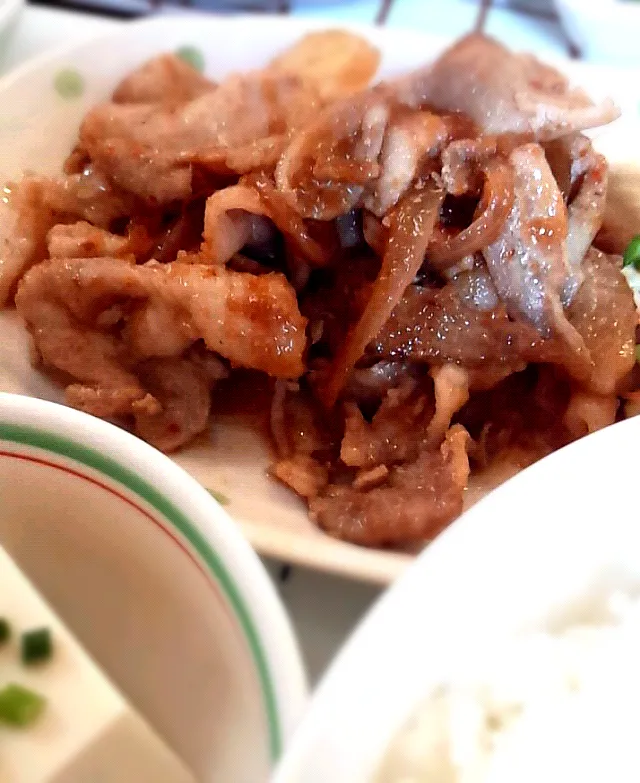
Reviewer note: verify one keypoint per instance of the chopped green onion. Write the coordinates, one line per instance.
(36, 646)
(19, 706)
(632, 253)
(638, 353)
(222, 499)
(5, 630)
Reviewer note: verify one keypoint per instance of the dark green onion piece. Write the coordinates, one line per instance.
(36, 646)
(632, 253)
(19, 706)
(5, 630)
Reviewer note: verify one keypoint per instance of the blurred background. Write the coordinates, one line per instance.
(278, 6)
(597, 30)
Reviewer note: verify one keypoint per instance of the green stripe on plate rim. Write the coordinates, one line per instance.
(41, 439)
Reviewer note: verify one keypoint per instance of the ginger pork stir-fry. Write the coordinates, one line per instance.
(412, 265)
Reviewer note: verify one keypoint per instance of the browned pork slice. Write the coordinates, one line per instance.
(165, 79)
(396, 432)
(360, 151)
(588, 412)
(622, 216)
(528, 262)
(451, 387)
(148, 149)
(586, 212)
(169, 398)
(32, 206)
(465, 323)
(87, 195)
(138, 147)
(411, 417)
(251, 320)
(604, 314)
(411, 138)
(302, 473)
(407, 503)
(582, 175)
(82, 240)
(312, 171)
(24, 223)
(503, 92)
(98, 319)
(182, 387)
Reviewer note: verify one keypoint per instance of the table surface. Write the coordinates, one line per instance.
(324, 609)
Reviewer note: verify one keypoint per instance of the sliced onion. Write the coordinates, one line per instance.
(355, 172)
(496, 204)
(375, 234)
(292, 225)
(412, 222)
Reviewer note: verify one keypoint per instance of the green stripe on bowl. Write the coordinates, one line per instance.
(54, 443)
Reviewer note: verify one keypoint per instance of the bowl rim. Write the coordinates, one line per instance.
(227, 558)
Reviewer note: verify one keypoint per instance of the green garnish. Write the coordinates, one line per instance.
(638, 353)
(5, 630)
(19, 706)
(222, 499)
(192, 56)
(36, 646)
(632, 253)
(68, 83)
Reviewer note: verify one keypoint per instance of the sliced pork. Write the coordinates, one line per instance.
(400, 276)
(503, 92)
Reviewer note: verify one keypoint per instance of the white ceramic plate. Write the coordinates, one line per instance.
(42, 106)
(521, 559)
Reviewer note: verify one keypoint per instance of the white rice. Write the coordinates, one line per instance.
(545, 708)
